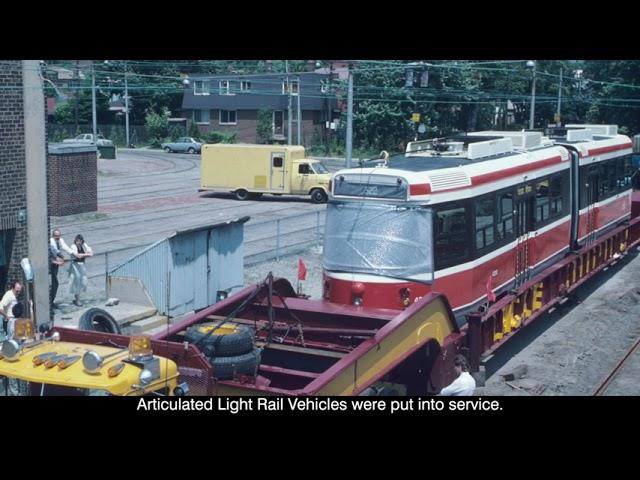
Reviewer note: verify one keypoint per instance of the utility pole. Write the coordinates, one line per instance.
(299, 114)
(289, 119)
(93, 101)
(36, 173)
(558, 121)
(126, 104)
(349, 139)
(532, 112)
(76, 82)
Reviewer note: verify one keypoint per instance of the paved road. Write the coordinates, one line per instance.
(146, 195)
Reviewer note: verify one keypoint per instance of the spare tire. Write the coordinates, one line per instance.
(229, 339)
(98, 320)
(225, 368)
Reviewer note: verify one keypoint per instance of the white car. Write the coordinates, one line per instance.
(88, 138)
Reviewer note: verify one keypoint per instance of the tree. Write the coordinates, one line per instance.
(264, 128)
(157, 124)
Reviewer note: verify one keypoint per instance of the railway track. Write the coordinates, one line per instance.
(619, 370)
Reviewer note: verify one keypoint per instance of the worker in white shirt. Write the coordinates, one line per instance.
(57, 246)
(7, 304)
(464, 384)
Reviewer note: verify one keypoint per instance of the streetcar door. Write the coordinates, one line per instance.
(575, 197)
(592, 188)
(524, 225)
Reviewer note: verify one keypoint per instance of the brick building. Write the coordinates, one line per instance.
(13, 196)
(230, 104)
(72, 180)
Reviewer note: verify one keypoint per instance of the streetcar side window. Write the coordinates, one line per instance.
(543, 208)
(484, 223)
(628, 171)
(451, 235)
(620, 173)
(505, 215)
(555, 195)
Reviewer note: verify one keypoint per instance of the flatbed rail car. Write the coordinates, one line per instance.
(312, 347)
(315, 347)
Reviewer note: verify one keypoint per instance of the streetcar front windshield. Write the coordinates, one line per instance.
(388, 240)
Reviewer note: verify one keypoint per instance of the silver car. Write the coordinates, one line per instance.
(183, 144)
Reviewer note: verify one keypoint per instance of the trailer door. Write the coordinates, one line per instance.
(277, 171)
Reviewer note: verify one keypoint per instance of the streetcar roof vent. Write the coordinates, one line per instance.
(489, 148)
(449, 179)
(521, 140)
(607, 130)
(581, 135)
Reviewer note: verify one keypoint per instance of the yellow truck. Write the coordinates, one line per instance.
(73, 362)
(248, 171)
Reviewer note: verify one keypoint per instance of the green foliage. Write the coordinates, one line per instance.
(157, 124)
(264, 126)
(175, 132)
(221, 137)
(117, 135)
(57, 136)
(194, 130)
(155, 142)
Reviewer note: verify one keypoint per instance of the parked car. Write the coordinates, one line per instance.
(183, 144)
(88, 138)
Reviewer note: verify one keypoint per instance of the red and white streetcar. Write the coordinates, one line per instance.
(471, 216)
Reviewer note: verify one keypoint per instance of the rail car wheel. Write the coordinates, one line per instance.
(228, 340)
(98, 320)
(225, 368)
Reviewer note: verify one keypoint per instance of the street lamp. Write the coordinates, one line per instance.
(532, 65)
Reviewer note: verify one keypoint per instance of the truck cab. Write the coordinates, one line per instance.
(48, 366)
(310, 177)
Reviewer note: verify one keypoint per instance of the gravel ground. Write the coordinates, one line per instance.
(287, 268)
(572, 350)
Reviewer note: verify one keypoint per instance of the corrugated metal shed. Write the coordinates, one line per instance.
(187, 270)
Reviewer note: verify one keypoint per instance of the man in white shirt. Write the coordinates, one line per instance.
(57, 245)
(10, 300)
(464, 384)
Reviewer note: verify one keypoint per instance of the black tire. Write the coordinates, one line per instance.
(239, 342)
(225, 368)
(98, 320)
(241, 194)
(191, 150)
(167, 150)
(318, 196)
